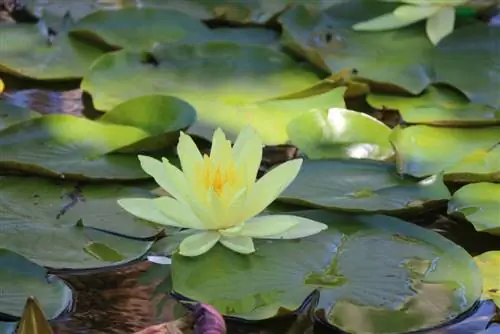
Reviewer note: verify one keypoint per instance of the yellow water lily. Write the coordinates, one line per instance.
(219, 197)
(440, 16)
(2, 86)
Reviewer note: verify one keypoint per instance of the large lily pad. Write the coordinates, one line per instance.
(139, 28)
(340, 133)
(361, 186)
(53, 224)
(21, 278)
(480, 204)
(11, 114)
(489, 264)
(439, 106)
(402, 57)
(376, 267)
(79, 148)
(462, 153)
(229, 85)
(27, 52)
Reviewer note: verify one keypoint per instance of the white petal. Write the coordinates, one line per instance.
(384, 22)
(220, 151)
(167, 176)
(159, 259)
(243, 245)
(441, 24)
(415, 13)
(179, 212)
(303, 228)
(146, 209)
(267, 188)
(198, 243)
(260, 227)
(247, 152)
(190, 157)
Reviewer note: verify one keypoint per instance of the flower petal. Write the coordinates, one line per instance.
(265, 191)
(275, 227)
(411, 13)
(165, 175)
(179, 212)
(247, 152)
(441, 24)
(221, 148)
(146, 209)
(198, 243)
(243, 245)
(189, 155)
(384, 22)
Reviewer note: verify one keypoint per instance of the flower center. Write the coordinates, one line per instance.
(217, 176)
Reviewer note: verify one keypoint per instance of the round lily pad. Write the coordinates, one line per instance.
(361, 186)
(466, 154)
(21, 278)
(392, 275)
(11, 114)
(340, 133)
(480, 204)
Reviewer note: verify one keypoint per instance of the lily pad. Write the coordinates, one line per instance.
(340, 133)
(403, 57)
(465, 154)
(229, 85)
(489, 264)
(21, 278)
(437, 106)
(26, 51)
(79, 148)
(480, 204)
(361, 186)
(138, 28)
(376, 267)
(11, 114)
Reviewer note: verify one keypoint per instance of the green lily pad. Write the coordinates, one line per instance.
(376, 267)
(466, 154)
(340, 133)
(79, 148)
(21, 278)
(11, 114)
(480, 204)
(8, 327)
(489, 263)
(138, 28)
(26, 52)
(403, 57)
(54, 223)
(361, 186)
(438, 106)
(229, 85)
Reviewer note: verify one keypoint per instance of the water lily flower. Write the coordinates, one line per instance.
(440, 16)
(2, 86)
(218, 197)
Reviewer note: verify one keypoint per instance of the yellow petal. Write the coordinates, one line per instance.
(415, 13)
(281, 227)
(243, 245)
(146, 209)
(441, 24)
(2, 86)
(221, 148)
(247, 152)
(165, 175)
(179, 212)
(198, 243)
(190, 157)
(270, 186)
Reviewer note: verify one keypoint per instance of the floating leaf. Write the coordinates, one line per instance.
(229, 85)
(138, 28)
(480, 204)
(11, 114)
(403, 57)
(462, 153)
(379, 267)
(361, 186)
(489, 264)
(21, 278)
(340, 133)
(33, 320)
(53, 223)
(26, 52)
(79, 148)
(439, 106)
